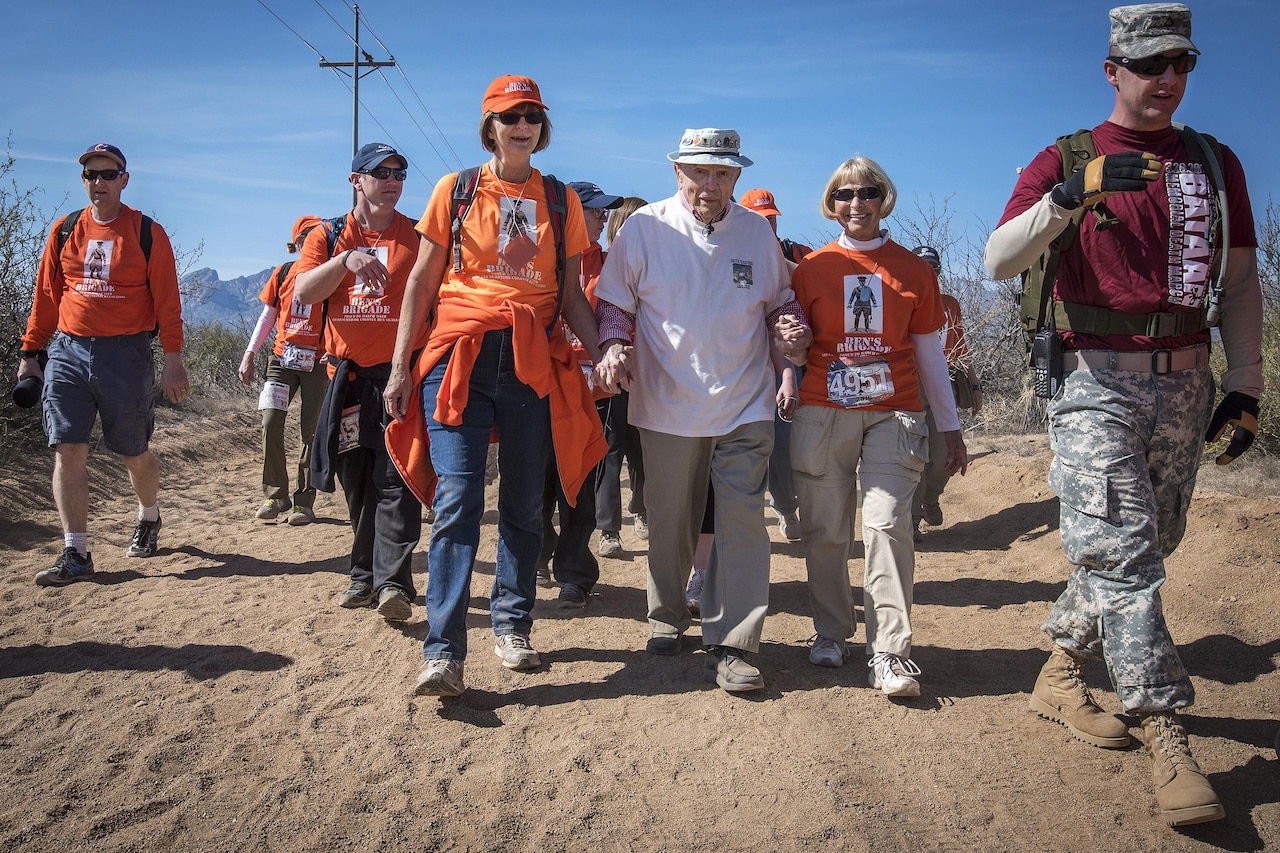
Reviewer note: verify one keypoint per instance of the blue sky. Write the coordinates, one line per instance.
(232, 130)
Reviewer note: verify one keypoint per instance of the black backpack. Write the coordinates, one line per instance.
(464, 192)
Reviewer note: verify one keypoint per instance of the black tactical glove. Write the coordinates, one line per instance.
(1241, 412)
(1103, 176)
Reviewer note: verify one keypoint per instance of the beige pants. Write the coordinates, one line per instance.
(736, 595)
(827, 446)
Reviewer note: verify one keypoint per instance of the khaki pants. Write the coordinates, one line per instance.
(827, 446)
(736, 595)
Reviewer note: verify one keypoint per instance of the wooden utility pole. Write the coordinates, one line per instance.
(355, 65)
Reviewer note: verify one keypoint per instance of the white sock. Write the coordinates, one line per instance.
(79, 541)
(149, 513)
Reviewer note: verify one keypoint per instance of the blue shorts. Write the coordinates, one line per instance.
(111, 376)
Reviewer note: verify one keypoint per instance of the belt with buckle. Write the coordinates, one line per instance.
(1154, 361)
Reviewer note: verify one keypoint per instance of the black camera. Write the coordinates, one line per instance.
(1046, 363)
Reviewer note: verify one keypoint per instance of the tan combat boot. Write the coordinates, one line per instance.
(1060, 695)
(1182, 791)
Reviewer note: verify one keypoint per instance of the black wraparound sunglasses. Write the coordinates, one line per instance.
(1152, 66)
(512, 118)
(382, 173)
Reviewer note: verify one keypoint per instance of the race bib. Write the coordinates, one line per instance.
(274, 395)
(298, 358)
(852, 386)
(349, 429)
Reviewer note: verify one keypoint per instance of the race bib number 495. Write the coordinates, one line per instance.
(856, 385)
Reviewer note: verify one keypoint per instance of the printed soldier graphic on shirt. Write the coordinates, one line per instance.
(862, 295)
(742, 274)
(1191, 222)
(97, 260)
(860, 376)
(518, 232)
(370, 289)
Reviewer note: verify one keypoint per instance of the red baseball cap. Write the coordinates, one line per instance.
(509, 90)
(761, 201)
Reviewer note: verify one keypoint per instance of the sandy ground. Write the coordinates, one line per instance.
(216, 698)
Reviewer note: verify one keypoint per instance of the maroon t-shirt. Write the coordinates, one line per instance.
(1158, 257)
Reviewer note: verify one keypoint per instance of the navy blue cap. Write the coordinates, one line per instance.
(104, 149)
(929, 254)
(594, 197)
(373, 153)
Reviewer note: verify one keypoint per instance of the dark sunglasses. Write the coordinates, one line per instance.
(864, 193)
(1152, 66)
(92, 175)
(383, 173)
(512, 118)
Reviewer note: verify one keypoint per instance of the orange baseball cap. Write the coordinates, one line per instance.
(761, 201)
(509, 90)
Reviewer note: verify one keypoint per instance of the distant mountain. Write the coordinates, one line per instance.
(208, 299)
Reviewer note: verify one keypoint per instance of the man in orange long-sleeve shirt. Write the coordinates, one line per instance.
(100, 297)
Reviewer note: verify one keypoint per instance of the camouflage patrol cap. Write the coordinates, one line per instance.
(1150, 28)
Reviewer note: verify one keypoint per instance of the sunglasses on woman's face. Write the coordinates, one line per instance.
(511, 117)
(864, 193)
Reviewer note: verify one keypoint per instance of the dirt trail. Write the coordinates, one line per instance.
(216, 698)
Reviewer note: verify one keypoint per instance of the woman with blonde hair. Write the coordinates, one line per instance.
(875, 310)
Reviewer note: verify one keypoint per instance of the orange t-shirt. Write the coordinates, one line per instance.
(864, 306)
(953, 342)
(105, 286)
(362, 321)
(498, 214)
(297, 323)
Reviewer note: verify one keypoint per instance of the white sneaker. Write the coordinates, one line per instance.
(827, 652)
(891, 675)
(693, 595)
(788, 524)
(610, 544)
(516, 653)
(440, 677)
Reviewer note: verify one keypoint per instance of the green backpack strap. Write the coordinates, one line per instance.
(1208, 151)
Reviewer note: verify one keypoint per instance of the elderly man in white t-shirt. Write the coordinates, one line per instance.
(689, 287)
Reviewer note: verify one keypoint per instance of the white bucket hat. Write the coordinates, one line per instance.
(710, 146)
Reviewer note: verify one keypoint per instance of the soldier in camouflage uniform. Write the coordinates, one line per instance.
(1136, 395)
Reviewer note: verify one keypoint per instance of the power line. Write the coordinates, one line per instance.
(290, 29)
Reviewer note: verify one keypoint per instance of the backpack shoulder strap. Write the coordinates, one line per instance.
(1208, 152)
(144, 236)
(1076, 150)
(68, 225)
(333, 230)
(464, 192)
(557, 213)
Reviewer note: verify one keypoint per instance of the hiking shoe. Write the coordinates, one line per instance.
(824, 651)
(728, 668)
(144, 539)
(544, 575)
(359, 594)
(1060, 695)
(641, 527)
(917, 530)
(270, 510)
(301, 515)
(516, 653)
(610, 544)
(933, 515)
(440, 677)
(1182, 791)
(693, 595)
(663, 644)
(788, 524)
(394, 605)
(572, 596)
(892, 675)
(71, 567)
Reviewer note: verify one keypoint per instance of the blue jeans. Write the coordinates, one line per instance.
(458, 453)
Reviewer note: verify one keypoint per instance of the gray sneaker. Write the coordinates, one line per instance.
(301, 516)
(71, 567)
(823, 651)
(271, 509)
(788, 524)
(145, 539)
(516, 653)
(610, 544)
(728, 668)
(359, 594)
(440, 677)
(394, 605)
